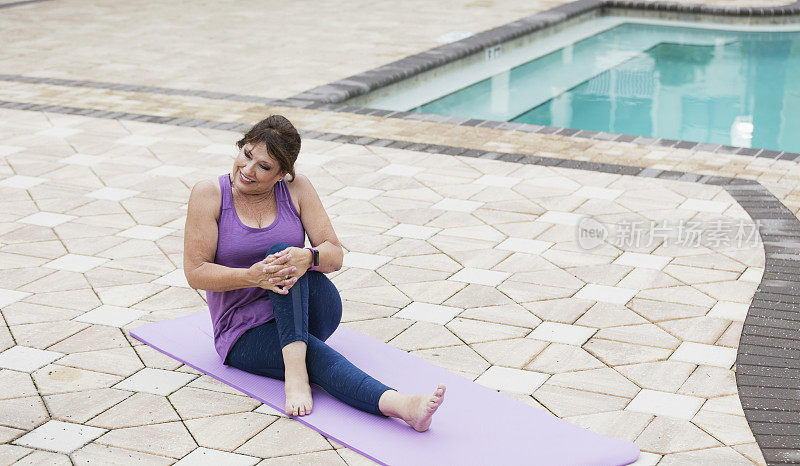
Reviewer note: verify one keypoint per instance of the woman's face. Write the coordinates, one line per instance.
(254, 170)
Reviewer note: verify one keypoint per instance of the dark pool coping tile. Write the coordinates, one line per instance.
(767, 335)
(20, 3)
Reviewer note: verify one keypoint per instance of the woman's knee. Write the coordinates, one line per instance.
(277, 247)
(323, 290)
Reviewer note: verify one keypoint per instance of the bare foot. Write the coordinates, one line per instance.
(298, 395)
(421, 408)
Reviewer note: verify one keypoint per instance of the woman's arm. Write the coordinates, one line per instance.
(319, 228)
(200, 247)
(200, 244)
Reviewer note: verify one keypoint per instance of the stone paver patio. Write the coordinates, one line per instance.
(470, 264)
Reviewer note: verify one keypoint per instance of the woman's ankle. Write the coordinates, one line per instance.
(393, 403)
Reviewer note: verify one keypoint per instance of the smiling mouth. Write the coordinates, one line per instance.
(245, 179)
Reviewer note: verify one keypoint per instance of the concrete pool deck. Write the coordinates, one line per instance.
(468, 262)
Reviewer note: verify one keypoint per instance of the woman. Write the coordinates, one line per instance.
(271, 316)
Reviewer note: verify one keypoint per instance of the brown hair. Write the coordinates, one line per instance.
(280, 137)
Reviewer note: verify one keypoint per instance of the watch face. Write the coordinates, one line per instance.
(315, 255)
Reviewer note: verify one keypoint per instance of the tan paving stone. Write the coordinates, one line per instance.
(642, 334)
(93, 338)
(80, 300)
(511, 314)
(433, 291)
(79, 407)
(403, 247)
(95, 453)
(720, 455)
(514, 353)
(156, 359)
(678, 295)
(7, 434)
(396, 274)
(15, 384)
(665, 435)
(729, 404)
(328, 457)
(710, 261)
(6, 341)
(695, 275)
(171, 298)
(127, 295)
(735, 290)
(625, 425)
(54, 378)
(603, 315)
(118, 361)
(460, 358)
(603, 380)
(382, 329)
(645, 278)
(559, 310)
(565, 402)
(752, 452)
(228, 432)
(698, 329)
(207, 382)
(607, 274)
(522, 292)
(474, 331)
(38, 457)
(137, 410)
(354, 310)
(44, 249)
(423, 335)
(193, 403)
(354, 459)
(45, 334)
(284, 437)
(385, 295)
(16, 279)
(708, 382)
(478, 295)
(11, 453)
(27, 313)
(727, 428)
(14, 261)
(556, 278)
(437, 261)
(665, 376)
(557, 358)
(104, 276)
(656, 311)
(480, 258)
(23, 413)
(615, 353)
(731, 336)
(169, 439)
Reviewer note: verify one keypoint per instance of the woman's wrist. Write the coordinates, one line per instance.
(309, 258)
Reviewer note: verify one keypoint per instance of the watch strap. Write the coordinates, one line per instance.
(314, 259)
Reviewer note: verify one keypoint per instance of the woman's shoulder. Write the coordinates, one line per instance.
(298, 188)
(206, 197)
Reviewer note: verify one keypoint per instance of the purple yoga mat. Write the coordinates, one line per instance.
(474, 424)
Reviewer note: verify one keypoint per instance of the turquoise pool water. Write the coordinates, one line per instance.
(723, 87)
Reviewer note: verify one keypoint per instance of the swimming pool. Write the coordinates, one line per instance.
(722, 86)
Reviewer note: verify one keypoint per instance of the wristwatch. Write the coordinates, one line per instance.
(314, 259)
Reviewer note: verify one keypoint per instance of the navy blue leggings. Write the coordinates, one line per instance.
(311, 312)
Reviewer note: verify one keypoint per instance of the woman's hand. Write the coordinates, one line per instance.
(265, 272)
(290, 257)
(280, 269)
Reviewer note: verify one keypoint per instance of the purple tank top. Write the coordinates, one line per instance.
(238, 245)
